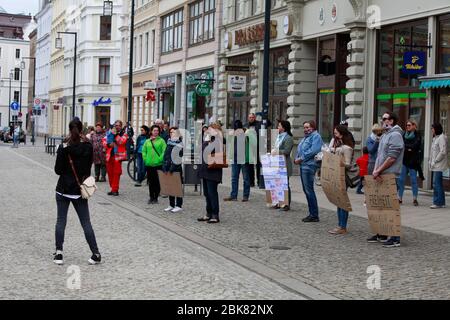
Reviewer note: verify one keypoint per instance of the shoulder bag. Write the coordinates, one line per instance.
(352, 177)
(88, 186)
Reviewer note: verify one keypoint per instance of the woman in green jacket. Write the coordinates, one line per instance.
(153, 155)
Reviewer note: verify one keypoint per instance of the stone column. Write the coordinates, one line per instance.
(302, 85)
(255, 74)
(355, 85)
(222, 90)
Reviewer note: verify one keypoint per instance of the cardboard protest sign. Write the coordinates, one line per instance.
(332, 177)
(170, 184)
(383, 208)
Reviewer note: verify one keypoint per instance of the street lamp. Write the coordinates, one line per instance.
(58, 45)
(107, 8)
(34, 93)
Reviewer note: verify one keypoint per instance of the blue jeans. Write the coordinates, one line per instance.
(438, 189)
(15, 140)
(401, 182)
(360, 185)
(342, 218)
(307, 178)
(235, 171)
(212, 198)
(82, 209)
(141, 170)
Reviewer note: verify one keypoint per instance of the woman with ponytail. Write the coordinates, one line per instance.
(74, 157)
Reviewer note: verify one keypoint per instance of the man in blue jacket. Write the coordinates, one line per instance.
(307, 149)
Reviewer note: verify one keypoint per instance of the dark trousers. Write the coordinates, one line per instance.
(175, 201)
(212, 198)
(251, 173)
(360, 185)
(153, 182)
(82, 209)
(100, 169)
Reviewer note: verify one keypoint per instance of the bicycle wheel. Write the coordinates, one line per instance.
(132, 169)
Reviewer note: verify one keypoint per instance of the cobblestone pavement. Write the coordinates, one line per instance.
(142, 261)
(336, 265)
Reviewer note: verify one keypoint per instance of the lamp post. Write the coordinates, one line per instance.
(130, 72)
(34, 96)
(58, 45)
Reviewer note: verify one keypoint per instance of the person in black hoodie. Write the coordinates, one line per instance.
(172, 163)
(78, 150)
(411, 160)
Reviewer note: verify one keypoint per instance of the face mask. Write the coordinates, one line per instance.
(207, 137)
(387, 126)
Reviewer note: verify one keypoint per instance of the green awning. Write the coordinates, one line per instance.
(435, 83)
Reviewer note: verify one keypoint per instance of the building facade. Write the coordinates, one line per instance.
(97, 94)
(31, 61)
(143, 110)
(14, 45)
(341, 60)
(43, 50)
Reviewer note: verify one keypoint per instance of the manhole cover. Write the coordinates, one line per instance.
(280, 248)
(105, 204)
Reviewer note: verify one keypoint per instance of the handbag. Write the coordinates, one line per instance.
(88, 186)
(352, 177)
(212, 164)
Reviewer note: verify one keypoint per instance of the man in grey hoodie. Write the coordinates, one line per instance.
(389, 160)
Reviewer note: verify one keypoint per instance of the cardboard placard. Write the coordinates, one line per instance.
(383, 207)
(170, 184)
(332, 177)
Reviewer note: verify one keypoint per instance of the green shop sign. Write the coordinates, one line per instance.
(203, 89)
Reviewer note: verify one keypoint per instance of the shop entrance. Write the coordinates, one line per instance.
(442, 115)
(103, 115)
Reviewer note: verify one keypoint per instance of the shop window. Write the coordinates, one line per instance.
(385, 62)
(444, 119)
(444, 45)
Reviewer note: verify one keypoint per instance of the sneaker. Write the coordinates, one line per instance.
(435, 206)
(213, 220)
(391, 244)
(169, 208)
(416, 204)
(229, 199)
(95, 259)
(177, 209)
(310, 219)
(150, 201)
(285, 208)
(245, 200)
(204, 218)
(138, 184)
(338, 230)
(58, 257)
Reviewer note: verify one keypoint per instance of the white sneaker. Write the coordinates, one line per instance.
(434, 206)
(177, 209)
(169, 208)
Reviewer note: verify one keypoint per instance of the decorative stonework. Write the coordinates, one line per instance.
(355, 85)
(222, 90)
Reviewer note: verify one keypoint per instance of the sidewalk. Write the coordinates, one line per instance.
(421, 218)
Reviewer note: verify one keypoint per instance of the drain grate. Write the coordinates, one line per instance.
(280, 248)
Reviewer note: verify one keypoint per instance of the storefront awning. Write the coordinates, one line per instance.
(435, 82)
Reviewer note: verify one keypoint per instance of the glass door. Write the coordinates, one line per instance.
(102, 115)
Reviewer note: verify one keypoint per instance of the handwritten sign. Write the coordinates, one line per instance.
(383, 208)
(275, 179)
(332, 177)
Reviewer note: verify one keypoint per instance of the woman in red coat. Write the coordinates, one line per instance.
(363, 164)
(116, 152)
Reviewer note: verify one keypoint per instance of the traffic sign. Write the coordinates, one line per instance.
(15, 106)
(37, 101)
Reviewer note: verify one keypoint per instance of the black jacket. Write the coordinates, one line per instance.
(209, 174)
(168, 164)
(413, 151)
(82, 157)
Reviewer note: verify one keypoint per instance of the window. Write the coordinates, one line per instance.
(202, 21)
(141, 44)
(17, 53)
(16, 74)
(444, 45)
(134, 52)
(147, 49)
(172, 32)
(153, 45)
(16, 96)
(105, 28)
(104, 70)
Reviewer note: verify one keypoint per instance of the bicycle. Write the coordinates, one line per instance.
(132, 168)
